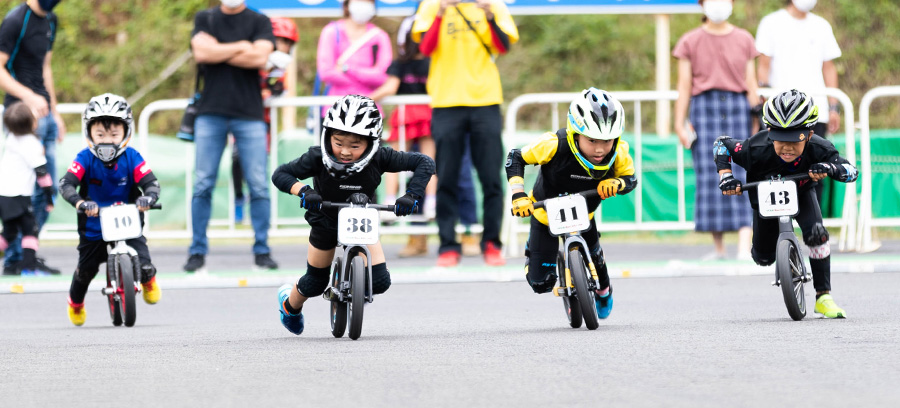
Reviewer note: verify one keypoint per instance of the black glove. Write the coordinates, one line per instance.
(310, 199)
(729, 183)
(358, 199)
(88, 205)
(407, 204)
(145, 201)
(823, 168)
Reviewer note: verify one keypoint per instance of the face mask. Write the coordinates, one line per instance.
(232, 3)
(48, 5)
(361, 11)
(717, 11)
(804, 5)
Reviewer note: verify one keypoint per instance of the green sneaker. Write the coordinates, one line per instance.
(825, 306)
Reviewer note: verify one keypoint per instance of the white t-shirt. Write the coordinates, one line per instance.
(798, 49)
(21, 156)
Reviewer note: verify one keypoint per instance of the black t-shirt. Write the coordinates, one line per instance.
(26, 61)
(229, 90)
(413, 76)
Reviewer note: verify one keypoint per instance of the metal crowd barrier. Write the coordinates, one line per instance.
(867, 221)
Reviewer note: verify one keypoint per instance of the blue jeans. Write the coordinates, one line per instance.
(210, 138)
(48, 132)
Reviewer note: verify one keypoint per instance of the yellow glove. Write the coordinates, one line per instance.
(609, 188)
(522, 206)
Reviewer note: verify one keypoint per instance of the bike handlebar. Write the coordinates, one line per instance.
(585, 194)
(379, 207)
(795, 177)
(156, 206)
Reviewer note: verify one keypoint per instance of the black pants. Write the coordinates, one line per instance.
(18, 218)
(93, 253)
(448, 127)
(541, 256)
(765, 238)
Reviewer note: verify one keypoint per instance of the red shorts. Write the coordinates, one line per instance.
(417, 120)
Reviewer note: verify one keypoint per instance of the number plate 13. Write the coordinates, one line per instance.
(120, 222)
(358, 226)
(567, 214)
(777, 198)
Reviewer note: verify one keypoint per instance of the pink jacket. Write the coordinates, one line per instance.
(367, 67)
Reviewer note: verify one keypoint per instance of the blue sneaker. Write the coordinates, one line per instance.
(604, 304)
(294, 323)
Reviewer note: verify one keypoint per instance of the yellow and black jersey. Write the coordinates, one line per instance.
(561, 173)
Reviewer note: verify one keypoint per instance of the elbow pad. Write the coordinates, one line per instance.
(515, 164)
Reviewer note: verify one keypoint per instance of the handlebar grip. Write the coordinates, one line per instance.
(156, 206)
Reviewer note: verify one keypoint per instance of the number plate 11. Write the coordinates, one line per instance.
(567, 214)
(777, 198)
(358, 226)
(120, 222)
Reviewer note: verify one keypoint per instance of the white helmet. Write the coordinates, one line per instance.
(597, 115)
(355, 114)
(107, 106)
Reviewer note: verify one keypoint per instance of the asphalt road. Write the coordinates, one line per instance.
(677, 342)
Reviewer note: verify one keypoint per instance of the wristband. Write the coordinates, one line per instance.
(724, 176)
(834, 107)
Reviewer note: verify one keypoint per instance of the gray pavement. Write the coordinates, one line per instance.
(706, 341)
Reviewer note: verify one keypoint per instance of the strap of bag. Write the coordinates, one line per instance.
(201, 68)
(471, 27)
(356, 45)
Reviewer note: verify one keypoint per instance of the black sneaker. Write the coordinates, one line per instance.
(13, 269)
(41, 266)
(194, 262)
(265, 261)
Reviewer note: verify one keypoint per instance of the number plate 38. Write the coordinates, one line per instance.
(120, 222)
(777, 198)
(567, 214)
(358, 226)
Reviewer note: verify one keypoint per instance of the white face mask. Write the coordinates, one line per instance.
(361, 11)
(717, 11)
(232, 3)
(804, 5)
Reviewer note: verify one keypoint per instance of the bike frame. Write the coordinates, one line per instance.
(574, 239)
(350, 252)
(786, 232)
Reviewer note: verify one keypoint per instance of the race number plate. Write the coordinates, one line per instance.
(777, 198)
(120, 222)
(358, 226)
(567, 214)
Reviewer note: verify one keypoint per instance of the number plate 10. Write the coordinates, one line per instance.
(120, 222)
(567, 214)
(358, 226)
(777, 198)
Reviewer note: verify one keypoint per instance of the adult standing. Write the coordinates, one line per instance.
(798, 50)
(27, 35)
(717, 79)
(233, 43)
(464, 83)
(353, 54)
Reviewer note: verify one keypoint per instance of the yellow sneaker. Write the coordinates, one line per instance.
(151, 291)
(825, 306)
(77, 314)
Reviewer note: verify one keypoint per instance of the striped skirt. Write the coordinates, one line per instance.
(716, 113)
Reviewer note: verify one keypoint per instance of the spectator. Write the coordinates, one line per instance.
(464, 85)
(27, 35)
(234, 43)
(716, 77)
(407, 76)
(273, 78)
(353, 54)
(798, 49)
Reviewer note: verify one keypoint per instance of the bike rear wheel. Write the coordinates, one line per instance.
(338, 307)
(357, 296)
(112, 282)
(125, 277)
(570, 303)
(578, 270)
(789, 266)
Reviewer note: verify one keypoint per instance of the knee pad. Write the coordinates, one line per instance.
(148, 271)
(314, 282)
(766, 260)
(817, 237)
(381, 279)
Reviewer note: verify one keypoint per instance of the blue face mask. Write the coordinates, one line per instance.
(48, 5)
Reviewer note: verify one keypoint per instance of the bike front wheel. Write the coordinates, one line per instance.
(357, 296)
(789, 266)
(570, 303)
(338, 307)
(579, 272)
(112, 282)
(125, 275)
